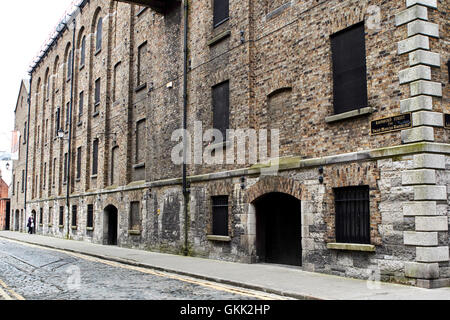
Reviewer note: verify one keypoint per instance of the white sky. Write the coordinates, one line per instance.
(25, 26)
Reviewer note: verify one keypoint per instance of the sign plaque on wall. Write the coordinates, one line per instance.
(447, 120)
(391, 124)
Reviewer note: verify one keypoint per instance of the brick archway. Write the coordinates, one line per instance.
(270, 184)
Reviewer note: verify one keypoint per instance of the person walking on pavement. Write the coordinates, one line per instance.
(30, 225)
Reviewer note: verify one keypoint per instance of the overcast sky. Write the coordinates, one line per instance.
(25, 26)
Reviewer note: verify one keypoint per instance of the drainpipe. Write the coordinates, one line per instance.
(185, 106)
(28, 148)
(69, 152)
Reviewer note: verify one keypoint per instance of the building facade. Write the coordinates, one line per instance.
(5, 217)
(346, 100)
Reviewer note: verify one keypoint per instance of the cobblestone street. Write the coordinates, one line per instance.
(33, 273)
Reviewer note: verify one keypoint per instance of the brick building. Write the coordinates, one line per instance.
(357, 89)
(4, 205)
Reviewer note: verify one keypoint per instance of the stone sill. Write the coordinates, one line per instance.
(139, 166)
(61, 227)
(134, 232)
(89, 229)
(50, 226)
(82, 67)
(140, 87)
(219, 38)
(96, 113)
(222, 22)
(351, 247)
(98, 51)
(94, 176)
(74, 228)
(219, 238)
(350, 114)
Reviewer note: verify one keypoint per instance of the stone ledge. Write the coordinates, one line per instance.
(351, 247)
(219, 38)
(134, 232)
(350, 114)
(89, 229)
(219, 238)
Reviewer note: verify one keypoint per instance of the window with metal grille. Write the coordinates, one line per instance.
(220, 215)
(79, 163)
(95, 157)
(221, 107)
(135, 216)
(352, 215)
(349, 69)
(90, 216)
(61, 215)
(98, 43)
(74, 216)
(221, 11)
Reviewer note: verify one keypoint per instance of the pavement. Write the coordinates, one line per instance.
(280, 280)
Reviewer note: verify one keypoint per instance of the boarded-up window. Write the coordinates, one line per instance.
(349, 69)
(90, 216)
(135, 216)
(114, 166)
(140, 141)
(74, 216)
(79, 163)
(221, 107)
(220, 215)
(221, 11)
(352, 215)
(142, 50)
(95, 157)
(61, 215)
(98, 43)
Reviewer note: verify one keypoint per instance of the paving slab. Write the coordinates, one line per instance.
(282, 280)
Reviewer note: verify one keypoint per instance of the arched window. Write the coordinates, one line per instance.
(83, 51)
(98, 44)
(69, 65)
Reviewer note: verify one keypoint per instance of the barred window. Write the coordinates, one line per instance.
(349, 69)
(220, 215)
(352, 215)
(90, 216)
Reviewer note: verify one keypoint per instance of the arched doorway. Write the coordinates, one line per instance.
(33, 214)
(110, 225)
(278, 229)
(8, 216)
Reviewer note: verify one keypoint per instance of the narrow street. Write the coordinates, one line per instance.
(29, 272)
